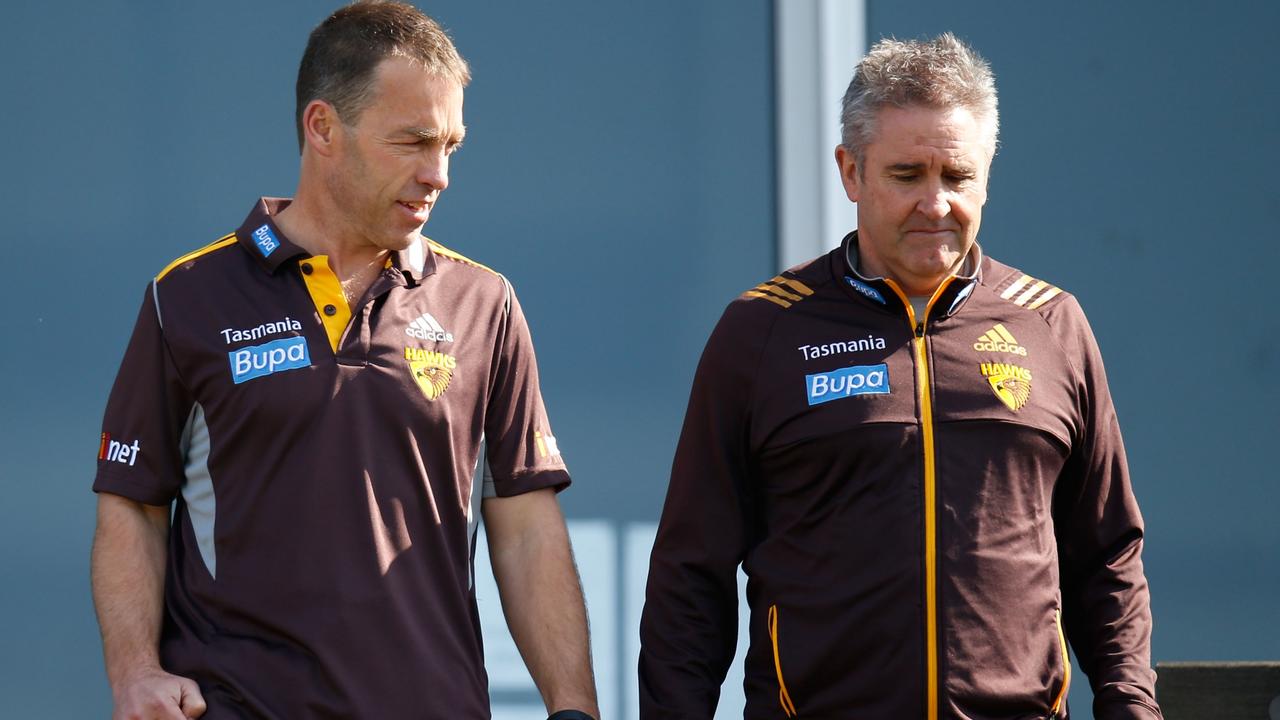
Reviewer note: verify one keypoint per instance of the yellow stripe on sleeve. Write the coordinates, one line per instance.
(770, 298)
(794, 285)
(1016, 286)
(779, 292)
(1048, 295)
(1030, 292)
(221, 242)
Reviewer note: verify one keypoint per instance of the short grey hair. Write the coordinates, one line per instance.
(939, 73)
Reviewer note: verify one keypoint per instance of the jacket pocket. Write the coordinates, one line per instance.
(1060, 699)
(784, 697)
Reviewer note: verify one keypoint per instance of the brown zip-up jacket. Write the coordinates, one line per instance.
(927, 509)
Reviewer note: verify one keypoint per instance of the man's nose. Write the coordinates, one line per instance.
(935, 204)
(434, 171)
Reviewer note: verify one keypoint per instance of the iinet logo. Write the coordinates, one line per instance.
(116, 451)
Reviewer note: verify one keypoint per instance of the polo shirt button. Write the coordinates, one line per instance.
(330, 310)
(306, 268)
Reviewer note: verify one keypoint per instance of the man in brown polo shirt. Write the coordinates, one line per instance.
(911, 450)
(312, 415)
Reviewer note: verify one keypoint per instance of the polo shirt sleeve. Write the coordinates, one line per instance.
(523, 454)
(139, 454)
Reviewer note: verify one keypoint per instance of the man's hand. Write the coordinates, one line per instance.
(157, 695)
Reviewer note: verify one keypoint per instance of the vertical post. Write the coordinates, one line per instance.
(817, 44)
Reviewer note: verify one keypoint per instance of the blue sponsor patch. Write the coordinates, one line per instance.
(265, 240)
(276, 356)
(865, 289)
(847, 382)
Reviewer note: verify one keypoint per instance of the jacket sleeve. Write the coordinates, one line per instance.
(688, 631)
(1106, 603)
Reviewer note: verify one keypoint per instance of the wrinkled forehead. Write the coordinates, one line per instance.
(949, 131)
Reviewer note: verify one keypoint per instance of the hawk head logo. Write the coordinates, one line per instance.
(432, 371)
(1010, 383)
(1011, 391)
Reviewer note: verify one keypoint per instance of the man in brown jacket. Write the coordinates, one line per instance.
(911, 450)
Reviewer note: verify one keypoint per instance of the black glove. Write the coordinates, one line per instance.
(570, 715)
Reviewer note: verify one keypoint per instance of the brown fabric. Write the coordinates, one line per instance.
(823, 504)
(344, 523)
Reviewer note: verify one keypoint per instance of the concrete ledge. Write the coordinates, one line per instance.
(1219, 690)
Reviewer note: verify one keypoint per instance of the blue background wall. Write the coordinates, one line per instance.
(619, 168)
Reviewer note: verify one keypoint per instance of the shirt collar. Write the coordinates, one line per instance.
(263, 239)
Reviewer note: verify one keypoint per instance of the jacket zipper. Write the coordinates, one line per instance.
(923, 384)
(1066, 672)
(784, 697)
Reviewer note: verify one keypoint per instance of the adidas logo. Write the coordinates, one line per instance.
(426, 328)
(998, 339)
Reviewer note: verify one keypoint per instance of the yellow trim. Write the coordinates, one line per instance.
(770, 298)
(784, 697)
(441, 250)
(1030, 292)
(1004, 334)
(325, 289)
(225, 240)
(1066, 664)
(779, 292)
(930, 495)
(1014, 288)
(1049, 294)
(794, 285)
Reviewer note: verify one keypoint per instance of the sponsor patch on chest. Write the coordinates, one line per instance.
(276, 356)
(847, 382)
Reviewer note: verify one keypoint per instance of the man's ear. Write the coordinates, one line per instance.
(848, 165)
(320, 126)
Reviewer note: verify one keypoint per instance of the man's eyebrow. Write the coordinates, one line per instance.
(434, 134)
(905, 167)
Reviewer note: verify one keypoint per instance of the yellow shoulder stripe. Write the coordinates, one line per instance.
(770, 298)
(781, 291)
(439, 249)
(225, 240)
(1030, 293)
(794, 285)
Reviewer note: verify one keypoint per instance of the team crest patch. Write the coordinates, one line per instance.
(1010, 383)
(431, 370)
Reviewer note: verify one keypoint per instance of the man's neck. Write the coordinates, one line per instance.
(314, 225)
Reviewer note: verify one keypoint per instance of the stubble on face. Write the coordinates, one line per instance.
(920, 191)
(393, 161)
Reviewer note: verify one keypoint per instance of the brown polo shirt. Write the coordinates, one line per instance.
(327, 464)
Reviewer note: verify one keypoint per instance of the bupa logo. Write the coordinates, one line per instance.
(847, 382)
(265, 240)
(273, 357)
(865, 289)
